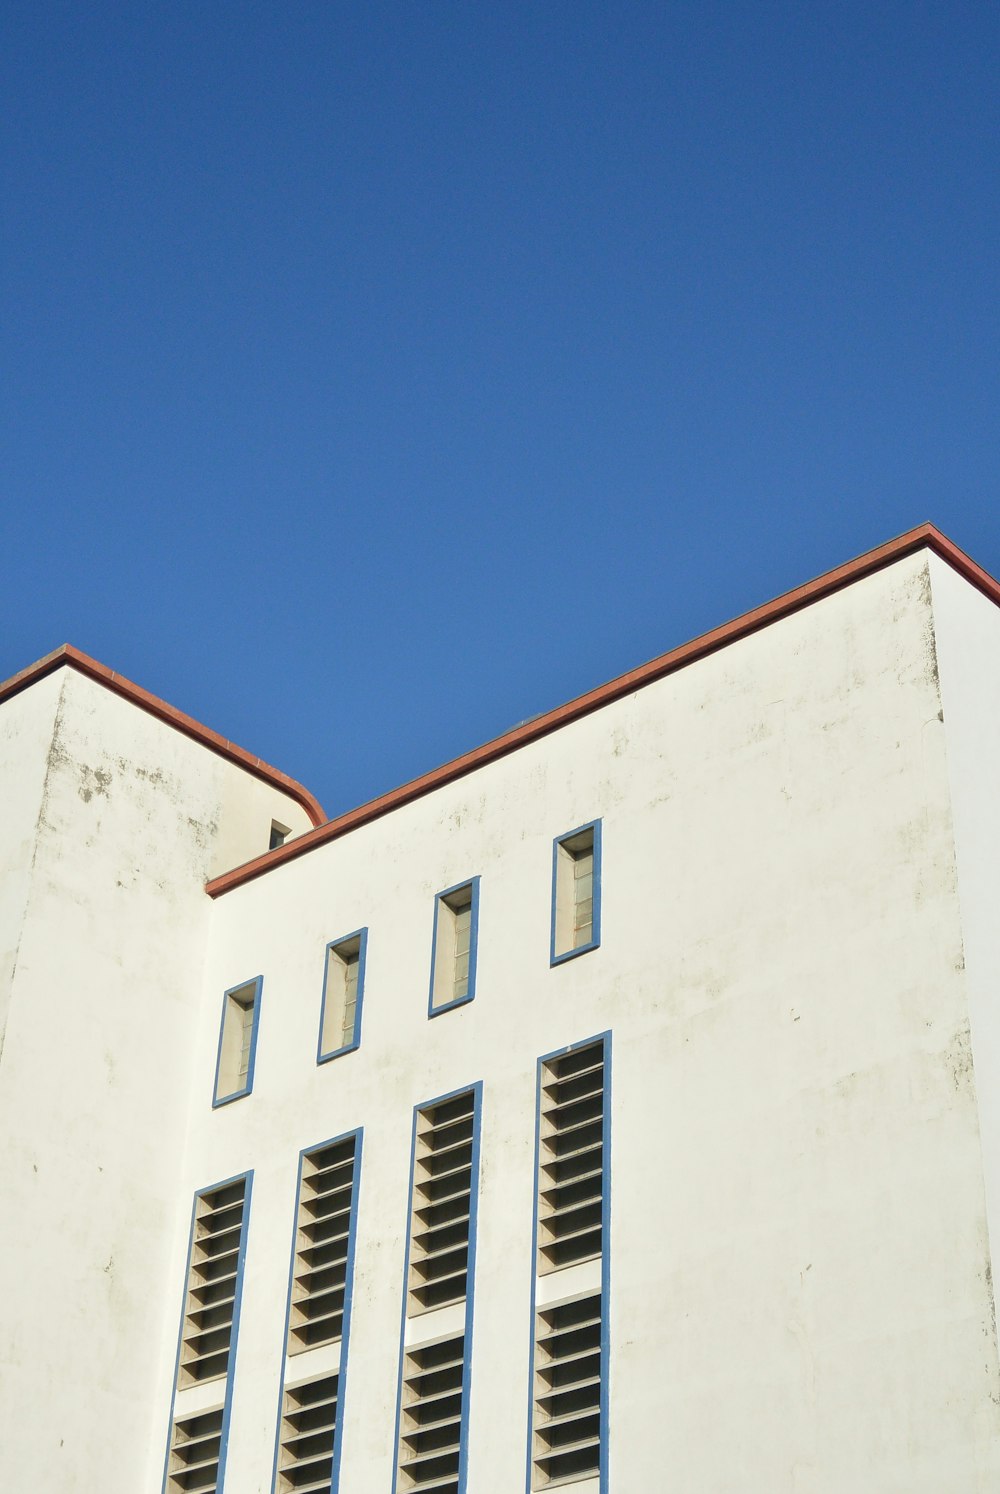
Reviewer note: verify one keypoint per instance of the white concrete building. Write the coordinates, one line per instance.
(615, 1109)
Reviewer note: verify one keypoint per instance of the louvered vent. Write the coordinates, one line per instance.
(308, 1432)
(570, 1158)
(211, 1295)
(430, 1437)
(194, 1453)
(567, 1413)
(320, 1275)
(442, 1195)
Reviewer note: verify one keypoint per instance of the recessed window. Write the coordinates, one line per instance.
(576, 892)
(279, 834)
(343, 992)
(237, 1042)
(453, 956)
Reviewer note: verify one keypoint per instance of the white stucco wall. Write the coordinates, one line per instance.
(967, 629)
(800, 1299)
(119, 818)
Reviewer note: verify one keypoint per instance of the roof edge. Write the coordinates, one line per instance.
(924, 536)
(73, 658)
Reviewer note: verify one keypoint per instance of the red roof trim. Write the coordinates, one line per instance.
(83, 664)
(923, 537)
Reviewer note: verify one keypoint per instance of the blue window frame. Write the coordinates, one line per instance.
(237, 1052)
(576, 893)
(343, 996)
(454, 947)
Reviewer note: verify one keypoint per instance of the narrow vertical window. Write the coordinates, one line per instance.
(207, 1342)
(237, 1042)
(453, 952)
(343, 993)
(314, 1370)
(435, 1359)
(568, 1423)
(576, 892)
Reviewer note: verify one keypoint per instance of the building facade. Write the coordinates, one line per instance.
(616, 1108)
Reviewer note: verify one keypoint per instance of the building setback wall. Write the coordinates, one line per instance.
(114, 820)
(800, 1300)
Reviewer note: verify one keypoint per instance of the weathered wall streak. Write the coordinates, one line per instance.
(27, 732)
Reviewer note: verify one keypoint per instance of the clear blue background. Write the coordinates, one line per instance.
(377, 375)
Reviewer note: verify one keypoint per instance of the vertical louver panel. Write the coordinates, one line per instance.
(212, 1279)
(567, 1420)
(434, 1372)
(194, 1453)
(571, 1158)
(323, 1229)
(430, 1438)
(308, 1434)
(442, 1192)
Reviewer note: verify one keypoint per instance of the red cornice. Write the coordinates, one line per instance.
(925, 536)
(71, 657)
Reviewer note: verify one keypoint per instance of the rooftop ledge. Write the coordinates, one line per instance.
(925, 536)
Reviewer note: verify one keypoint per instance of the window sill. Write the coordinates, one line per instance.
(571, 954)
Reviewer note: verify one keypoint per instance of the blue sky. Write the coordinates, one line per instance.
(377, 375)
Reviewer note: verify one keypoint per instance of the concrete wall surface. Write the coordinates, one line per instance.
(800, 1286)
(112, 823)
